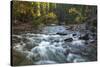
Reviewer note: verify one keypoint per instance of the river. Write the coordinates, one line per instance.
(54, 44)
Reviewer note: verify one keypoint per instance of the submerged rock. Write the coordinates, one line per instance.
(61, 33)
(74, 34)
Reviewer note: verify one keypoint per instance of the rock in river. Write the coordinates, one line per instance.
(85, 37)
(68, 40)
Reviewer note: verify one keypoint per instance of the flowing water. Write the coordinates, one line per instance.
(51, 48)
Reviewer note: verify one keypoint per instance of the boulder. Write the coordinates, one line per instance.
(19, 59)
(68, 40)
(85, 37)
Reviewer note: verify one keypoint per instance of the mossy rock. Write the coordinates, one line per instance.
(18, 59)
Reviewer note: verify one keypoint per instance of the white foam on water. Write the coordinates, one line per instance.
(49, 48)
(78, 42)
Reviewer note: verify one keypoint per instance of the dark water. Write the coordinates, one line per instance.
(50, 47)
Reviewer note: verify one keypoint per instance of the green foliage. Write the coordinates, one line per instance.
(39, 21)
(50, 18)
(52, 15)
(44, 13)
(78, 14)
(21, 10)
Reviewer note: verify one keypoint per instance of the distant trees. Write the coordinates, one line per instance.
(80, 13)
(20, 8)
(43, 13)
(39, 13)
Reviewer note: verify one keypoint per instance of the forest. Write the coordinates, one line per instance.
(52, 33)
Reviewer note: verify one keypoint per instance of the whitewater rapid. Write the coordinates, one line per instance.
(46, 49)
(51, 47)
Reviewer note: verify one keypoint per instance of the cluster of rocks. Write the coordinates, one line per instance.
(87, 48)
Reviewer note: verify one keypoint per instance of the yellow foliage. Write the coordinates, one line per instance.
(77, 19)
(73, 10)
(52, 15)
(80, 18)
